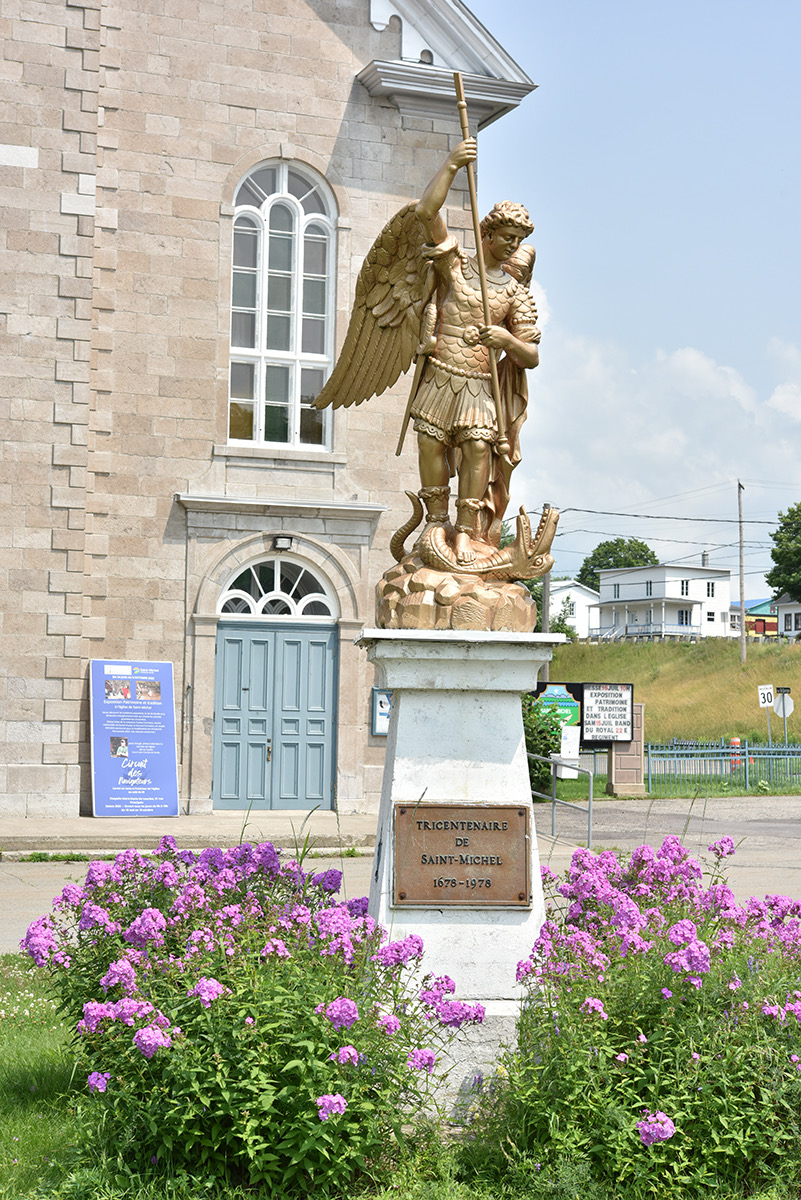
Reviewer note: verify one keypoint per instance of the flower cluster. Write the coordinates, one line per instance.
(158, 959)
(655, 1127)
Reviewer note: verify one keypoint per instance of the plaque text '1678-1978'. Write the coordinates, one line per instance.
(468, 855)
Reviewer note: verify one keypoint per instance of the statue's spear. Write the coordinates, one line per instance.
(502, 445)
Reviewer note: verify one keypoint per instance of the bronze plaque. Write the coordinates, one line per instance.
(472, 855)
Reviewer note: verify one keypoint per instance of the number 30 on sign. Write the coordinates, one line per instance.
(766, 695)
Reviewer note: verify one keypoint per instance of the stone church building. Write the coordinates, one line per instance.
(188, 190)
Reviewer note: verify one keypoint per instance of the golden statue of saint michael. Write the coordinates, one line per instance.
(421, 297)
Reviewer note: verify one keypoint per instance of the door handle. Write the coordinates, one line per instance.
(269, 750)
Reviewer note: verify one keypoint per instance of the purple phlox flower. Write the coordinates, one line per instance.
(695, 1056)
(120, 972)
(723, 847)
(342, 1013)
(436, 988)
(358, 907)
(642, 1038)
(454, 1013)
(666, 992)
(99, 873)
(94, 1012)
(682, 932)
(40, 940)
(592, 1004)
(330, 1104)
(249, 1021)
(71, 896)
(389, 1023)
(655, 1127)
(266, 857)
(191, 897)
(98, 1081)
(692, 958)
(277, 947)
(167, 845)
(546, 874)
(149, 926)
(621, 1058)
(150, 1038)
(93, 915)
(208, 990)
(127, 1010)
(345, 1054)
(734, 984)
(400, 953)
(328, 881)
(292, 870)
(300, 914)
(422, 1060)
(773, 1010)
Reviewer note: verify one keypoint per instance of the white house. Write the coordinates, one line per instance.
(788, 612)
(669, 600)
(581, 601)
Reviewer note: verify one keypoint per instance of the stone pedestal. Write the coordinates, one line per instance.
(456, 737)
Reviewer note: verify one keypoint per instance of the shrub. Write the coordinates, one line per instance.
(232, 1018)
(660, 1037)
(543, 734)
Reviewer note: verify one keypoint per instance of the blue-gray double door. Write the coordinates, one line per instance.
(274, 709)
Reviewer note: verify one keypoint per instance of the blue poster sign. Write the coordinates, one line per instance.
(134, 760)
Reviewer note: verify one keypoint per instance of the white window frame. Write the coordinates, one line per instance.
(292, 361)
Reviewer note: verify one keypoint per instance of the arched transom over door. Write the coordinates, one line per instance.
(275, 689)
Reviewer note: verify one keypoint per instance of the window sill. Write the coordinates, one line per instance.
(279, 454)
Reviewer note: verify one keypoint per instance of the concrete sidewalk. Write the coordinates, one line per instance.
(766, 830)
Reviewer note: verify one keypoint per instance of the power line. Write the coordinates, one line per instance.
(602, 512)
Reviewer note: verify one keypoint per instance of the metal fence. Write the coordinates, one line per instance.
(553, 762)
(718, 767)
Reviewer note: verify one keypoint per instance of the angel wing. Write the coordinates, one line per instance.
(393, 288)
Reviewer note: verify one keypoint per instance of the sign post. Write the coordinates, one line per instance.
(783, 707)
(766, 698)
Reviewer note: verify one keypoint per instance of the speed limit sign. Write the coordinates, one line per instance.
(766, 695)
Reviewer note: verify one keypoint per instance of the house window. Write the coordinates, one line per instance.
(571, 608)
(615, 591)
(684, 616)
(710, 616)
(710, 590)
(788, 622)
(649, 588)
(797, 620)
(282, 305)
(685, 587)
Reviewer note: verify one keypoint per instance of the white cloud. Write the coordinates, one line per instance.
(605, 433)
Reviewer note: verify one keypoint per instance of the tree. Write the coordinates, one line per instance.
(785, 575)
(619, 552)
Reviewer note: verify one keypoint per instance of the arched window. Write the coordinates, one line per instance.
(282, 306)
(278, 587)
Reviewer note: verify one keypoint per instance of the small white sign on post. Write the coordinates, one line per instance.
(783, 705)
(766, 695)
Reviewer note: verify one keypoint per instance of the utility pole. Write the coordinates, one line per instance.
(740, 490)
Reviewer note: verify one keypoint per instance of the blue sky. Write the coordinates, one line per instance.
(660, 157)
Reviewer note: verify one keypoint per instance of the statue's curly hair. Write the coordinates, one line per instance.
(507, 213)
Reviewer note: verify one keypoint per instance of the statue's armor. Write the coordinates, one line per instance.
(454, 400)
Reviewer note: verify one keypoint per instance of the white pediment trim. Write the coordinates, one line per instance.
(439, 37)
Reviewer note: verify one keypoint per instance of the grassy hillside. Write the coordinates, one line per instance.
(689, 690)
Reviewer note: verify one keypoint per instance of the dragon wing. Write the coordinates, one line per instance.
(392, 290)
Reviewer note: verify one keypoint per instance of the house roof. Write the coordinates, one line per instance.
(439, 37)
(572, 585)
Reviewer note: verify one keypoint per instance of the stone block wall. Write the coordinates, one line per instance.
(123, 134)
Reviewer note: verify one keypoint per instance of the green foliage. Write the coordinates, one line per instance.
(237, 1023)
(543, 733)
(649, 992)
(617, 552)
(785, 574)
